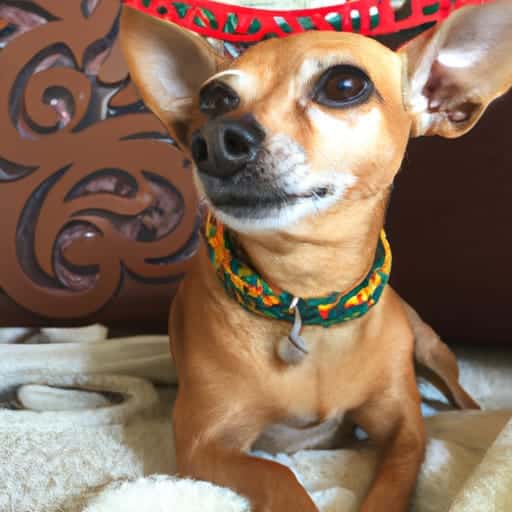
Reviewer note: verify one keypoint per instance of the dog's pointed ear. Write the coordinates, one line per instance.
(456, 69)
(168, 64)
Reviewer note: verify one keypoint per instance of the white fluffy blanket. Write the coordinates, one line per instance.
(85, 426)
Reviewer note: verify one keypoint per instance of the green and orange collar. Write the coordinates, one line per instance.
(245, 286)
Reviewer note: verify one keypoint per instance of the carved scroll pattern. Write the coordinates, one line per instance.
(92, 194)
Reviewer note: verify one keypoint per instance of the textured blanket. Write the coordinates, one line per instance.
(85, 426)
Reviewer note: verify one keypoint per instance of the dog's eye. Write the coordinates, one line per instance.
(217, 98)
(342, 86)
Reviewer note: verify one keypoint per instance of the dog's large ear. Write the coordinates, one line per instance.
(168, 64)
(457, 68)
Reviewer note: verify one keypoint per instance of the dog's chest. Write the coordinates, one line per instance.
(331, 355)
(326, 347)
(327, 381)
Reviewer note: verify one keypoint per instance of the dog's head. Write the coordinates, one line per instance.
(298, 125)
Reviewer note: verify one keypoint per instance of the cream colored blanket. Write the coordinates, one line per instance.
(83, 422)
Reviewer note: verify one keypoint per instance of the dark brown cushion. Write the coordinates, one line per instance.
(449, 225)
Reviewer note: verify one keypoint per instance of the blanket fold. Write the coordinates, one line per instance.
(85, 426)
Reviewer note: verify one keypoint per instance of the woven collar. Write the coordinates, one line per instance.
(244, 285)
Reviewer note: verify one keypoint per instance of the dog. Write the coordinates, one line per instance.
(285, 329)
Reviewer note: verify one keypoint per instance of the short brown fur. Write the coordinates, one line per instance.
(233, 388)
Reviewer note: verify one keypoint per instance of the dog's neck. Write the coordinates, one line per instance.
(332, 252)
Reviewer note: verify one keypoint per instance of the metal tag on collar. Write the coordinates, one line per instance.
(293, 348)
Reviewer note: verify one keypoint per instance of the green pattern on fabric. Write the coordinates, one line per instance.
(306, 23)
(231, 24)
(335, 20)
(199, 22)
(255, 295)
(374, 20)
(356, 21)
(181, 8)
(255, 26)
(211, 18)
(283, 25)
(430, 9)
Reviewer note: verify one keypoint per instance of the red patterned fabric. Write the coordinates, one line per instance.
(244, 24)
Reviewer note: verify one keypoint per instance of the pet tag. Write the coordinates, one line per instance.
(293, 348)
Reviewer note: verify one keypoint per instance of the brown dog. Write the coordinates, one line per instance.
(296, 145)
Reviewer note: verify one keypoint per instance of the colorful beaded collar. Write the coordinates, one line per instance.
(245, 286)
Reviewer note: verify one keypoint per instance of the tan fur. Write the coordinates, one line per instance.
(234, 392)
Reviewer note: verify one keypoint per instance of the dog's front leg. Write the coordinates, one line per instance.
(394, 423)
(209, 448)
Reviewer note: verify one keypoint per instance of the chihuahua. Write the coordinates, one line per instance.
(296, 144)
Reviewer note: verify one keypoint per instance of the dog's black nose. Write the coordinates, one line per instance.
(224, 147)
